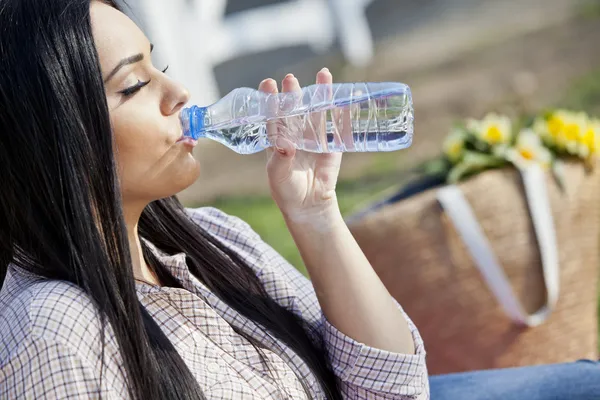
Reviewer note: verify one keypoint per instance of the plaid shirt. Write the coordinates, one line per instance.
(50, 335)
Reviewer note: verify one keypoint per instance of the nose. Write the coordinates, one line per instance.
(175, 98)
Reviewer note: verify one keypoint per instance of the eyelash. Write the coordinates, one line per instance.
(135, 88)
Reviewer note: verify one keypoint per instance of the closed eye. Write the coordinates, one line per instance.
(130, 91)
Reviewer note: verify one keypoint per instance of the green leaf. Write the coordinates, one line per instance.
(458, 172)
(474, 162)
(437, 166)
(547, 114)
(522, 122)
(483, 159)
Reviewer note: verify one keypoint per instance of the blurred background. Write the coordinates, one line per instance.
(461, 58)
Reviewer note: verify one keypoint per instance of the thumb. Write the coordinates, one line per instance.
(280, 163)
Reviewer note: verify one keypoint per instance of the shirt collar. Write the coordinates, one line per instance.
(175, 263)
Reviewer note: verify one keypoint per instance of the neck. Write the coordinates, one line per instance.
(141, 271)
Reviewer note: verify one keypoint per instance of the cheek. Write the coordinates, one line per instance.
(137, 149)
(149, 166)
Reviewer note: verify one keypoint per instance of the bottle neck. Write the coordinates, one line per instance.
(194, 121)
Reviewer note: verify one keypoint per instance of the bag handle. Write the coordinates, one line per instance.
(462, 217)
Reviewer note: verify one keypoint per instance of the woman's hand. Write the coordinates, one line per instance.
(302, 183)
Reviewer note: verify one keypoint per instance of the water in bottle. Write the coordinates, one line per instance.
(340, 117)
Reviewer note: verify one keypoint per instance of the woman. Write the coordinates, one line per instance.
(111, 289)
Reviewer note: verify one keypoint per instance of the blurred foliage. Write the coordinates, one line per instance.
(585, 93)
(590, 8)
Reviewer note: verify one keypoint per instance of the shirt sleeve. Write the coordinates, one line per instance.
(364, 372)
(43, 369)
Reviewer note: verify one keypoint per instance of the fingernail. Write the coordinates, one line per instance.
(325, 69)
(290, 76)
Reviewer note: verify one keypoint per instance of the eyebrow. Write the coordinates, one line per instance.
(127, 61)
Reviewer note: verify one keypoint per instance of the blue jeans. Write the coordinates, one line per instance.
(572, 381)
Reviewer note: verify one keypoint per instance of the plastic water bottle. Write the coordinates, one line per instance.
(341, 117)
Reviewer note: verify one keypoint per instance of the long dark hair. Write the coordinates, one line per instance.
(60, 207)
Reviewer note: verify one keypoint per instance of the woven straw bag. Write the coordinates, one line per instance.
(465, 262)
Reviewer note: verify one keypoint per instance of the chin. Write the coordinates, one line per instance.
(178, 178)
(187, 176)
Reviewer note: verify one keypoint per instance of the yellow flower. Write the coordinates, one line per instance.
(528, 150)
(556, 123)
(589, 143)
(564, 129)
(454, 145)
(493, 129)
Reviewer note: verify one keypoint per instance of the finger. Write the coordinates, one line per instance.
(291, 128)
(290, 84)
(341, 117)
(280, 163)
(270, 86)
(324, 77)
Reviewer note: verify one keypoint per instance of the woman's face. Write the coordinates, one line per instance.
(144, 106)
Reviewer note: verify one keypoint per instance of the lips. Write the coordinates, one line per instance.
(188, 141)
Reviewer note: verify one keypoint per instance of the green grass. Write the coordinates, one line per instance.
(265, 218)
